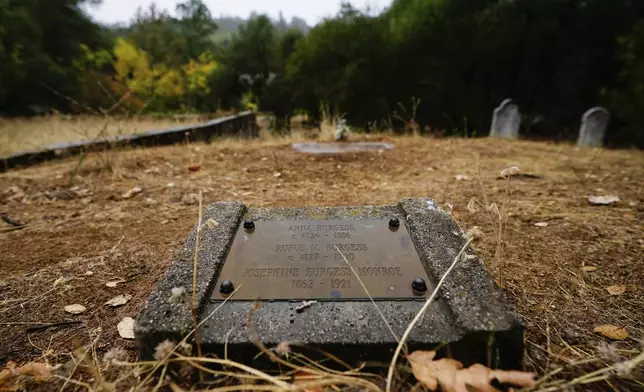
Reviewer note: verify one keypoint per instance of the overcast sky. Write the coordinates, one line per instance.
(114, 11)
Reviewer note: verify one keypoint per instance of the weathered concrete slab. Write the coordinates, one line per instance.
(339, 148)
(240, 125)
(471, 318)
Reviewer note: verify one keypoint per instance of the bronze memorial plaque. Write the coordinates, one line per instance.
(298, 260)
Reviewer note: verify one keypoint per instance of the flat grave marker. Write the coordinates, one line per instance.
(339, 148)
(290, 260)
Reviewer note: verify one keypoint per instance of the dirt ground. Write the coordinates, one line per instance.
(81, 232)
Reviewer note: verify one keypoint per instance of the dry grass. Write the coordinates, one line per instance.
(17, 135)
(542, 266)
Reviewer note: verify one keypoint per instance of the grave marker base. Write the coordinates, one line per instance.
(470, 319)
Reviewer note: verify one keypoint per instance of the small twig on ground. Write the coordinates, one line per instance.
(502, 220)
(40, 327)
(28, 301)
(486, 203)
(117, 245)
(599, 375)
(501, 217)
(17, 225)
(411, 325)
(194, 280)
(70, 99)
(247, 369)
(69, 379)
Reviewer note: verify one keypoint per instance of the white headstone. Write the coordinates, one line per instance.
(341, 130)
(506, 120)
(593, 127)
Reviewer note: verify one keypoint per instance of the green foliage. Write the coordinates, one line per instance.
(39, 41)
(344, 62)
(253, 50)
(196, 26)
(173, 41)
(628, 97)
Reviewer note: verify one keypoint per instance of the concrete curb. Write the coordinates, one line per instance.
(241, 125)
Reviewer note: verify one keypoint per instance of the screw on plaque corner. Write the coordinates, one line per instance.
(226, 287)
(249, 225)
(419, 286)
(394, 223)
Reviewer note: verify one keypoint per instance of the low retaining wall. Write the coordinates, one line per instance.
(239, 125)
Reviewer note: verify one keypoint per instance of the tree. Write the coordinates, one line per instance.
(627, 98)
(197, 26)
(157, 33)
(343, 62)
(39, 41)
(253, 50)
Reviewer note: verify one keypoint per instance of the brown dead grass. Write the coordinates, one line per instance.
(133, 239)
(29, 134)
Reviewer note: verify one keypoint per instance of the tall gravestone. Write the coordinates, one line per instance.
(593, 127)
(506, 120)
(311, 269)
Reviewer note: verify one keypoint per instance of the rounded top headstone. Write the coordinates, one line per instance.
(596, 109)
(506, 102)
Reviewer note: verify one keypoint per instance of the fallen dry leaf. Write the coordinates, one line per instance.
(38, 370)
(471, 206)
(510, 171)
(75, 309)
(617, 289)
(154, 170)
(602, 200)
(6, 375)
(14, 193)
(612, 331)
(283, 349)
(126, 328)
(132, 192)
(451, 376)
(304, 377)
(119, 300)
(589, 268)
(478, 378)
(428, 371)
(114, 283)
(194, 168)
